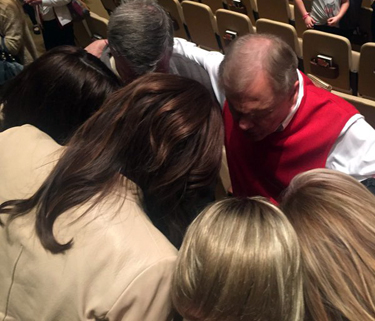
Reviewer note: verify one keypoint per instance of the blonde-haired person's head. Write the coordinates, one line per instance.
(240, 260)
(334, 217)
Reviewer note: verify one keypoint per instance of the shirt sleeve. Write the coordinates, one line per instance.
(354, 150)
(209, 60)
(55, 3)
(147, 298)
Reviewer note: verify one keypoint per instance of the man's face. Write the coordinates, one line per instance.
(258, 111)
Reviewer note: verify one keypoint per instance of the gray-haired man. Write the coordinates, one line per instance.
(140, 40)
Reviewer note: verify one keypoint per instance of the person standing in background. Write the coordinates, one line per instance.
(13, 29)
(56, 22)
(325, 15)
(29, 10)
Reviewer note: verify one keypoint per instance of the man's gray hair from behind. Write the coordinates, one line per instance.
(253, 54)
(142, 33)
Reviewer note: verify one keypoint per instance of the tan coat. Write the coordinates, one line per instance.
(119, 268)
(13, 27)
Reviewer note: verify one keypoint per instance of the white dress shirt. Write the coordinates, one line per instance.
(49, 8)
(209, 60)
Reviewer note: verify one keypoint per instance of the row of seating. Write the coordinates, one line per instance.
(351, 72)
(201, 22)
(365, 106)
(277, 10)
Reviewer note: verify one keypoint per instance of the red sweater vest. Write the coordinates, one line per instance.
(266, 167)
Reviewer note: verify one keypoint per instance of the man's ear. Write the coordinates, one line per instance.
(295, 91)
(163, 64)
(123, 67)
(296, 85)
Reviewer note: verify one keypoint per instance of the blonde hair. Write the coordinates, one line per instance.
(240, 260)
(334, 217)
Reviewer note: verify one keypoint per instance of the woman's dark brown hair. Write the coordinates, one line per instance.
(162, 131)
(58, 92)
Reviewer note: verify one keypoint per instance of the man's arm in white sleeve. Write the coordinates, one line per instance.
(209, 60)
(354, 150)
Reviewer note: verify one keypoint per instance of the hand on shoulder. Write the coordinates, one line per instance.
(96, 48)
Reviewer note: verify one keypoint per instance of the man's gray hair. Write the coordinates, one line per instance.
(254, 54)
(142, 32)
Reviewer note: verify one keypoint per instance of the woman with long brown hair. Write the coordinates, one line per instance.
(76, 243)
(58, 92)
(334, 217)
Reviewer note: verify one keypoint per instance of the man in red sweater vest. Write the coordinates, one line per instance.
(278, 124)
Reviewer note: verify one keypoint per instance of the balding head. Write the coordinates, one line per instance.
(259, 76)
(257, 55)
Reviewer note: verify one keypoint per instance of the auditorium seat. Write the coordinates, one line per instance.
(224, 183)
(365, 106)
(173, 7)
(279, 10)
(345, 62)
(319, 83)
(82, 34)
(366, 72)
(97, 7)
(365, 16)
(247, 7)
(366, 3)
(213, 4)
(282, 30)
(232, 23)
(201, 24)
(109, 5)
(98, 26)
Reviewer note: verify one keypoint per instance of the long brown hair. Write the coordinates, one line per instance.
(334, 217)
(58, 102)
(240, 260)
(162, 131)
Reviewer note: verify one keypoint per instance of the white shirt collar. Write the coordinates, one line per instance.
(294, 109)
(113, 66)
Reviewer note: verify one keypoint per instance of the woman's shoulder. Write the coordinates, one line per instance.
(26, 155)
(121, 221)
(118, 250)
(26, 134)
(117, 231)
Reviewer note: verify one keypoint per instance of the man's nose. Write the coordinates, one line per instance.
(245, 124)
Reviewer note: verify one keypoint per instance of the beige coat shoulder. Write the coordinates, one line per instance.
(120, 265)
